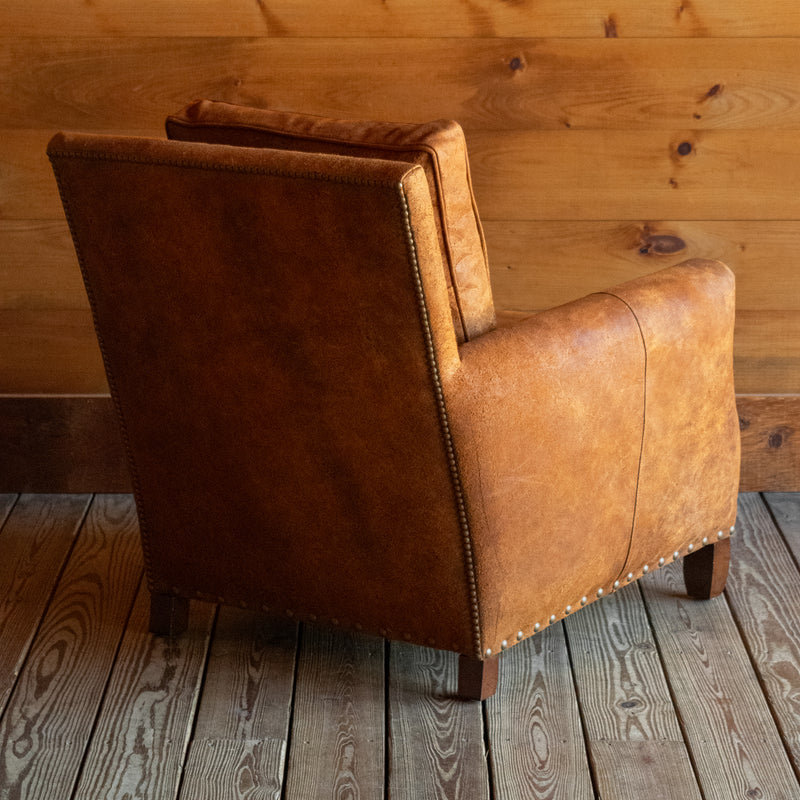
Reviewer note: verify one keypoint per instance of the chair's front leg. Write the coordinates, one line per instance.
(169, 615)
(477, 679)
(706, 571)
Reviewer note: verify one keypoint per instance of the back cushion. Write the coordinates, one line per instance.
(438, 147)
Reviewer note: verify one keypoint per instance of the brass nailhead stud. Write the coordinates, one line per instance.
(599, 592)
(584, 600)
(676, 554)
(690, 548)
(520, 634)
(616, 584)
(705, 540)
(552, 618)
(661, 561)
(733, 528)
(503, 644)
(720, 534)
(537, 626)
(645, 568)
(488, 652)
(630, 576)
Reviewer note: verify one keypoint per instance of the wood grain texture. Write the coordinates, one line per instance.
(71, 657)
(541, 264)
(534, 731)
(785, 511)
(39, 268)
(770, 433)
(732, 738)
(338, 731)
(50, 352)
(764, 593)
(247, 690)
(35, 541)
(413, 18)
(485, 83)
(435, 741)
(626, 705)
(238, 769)
(615, 174)
(143, 728)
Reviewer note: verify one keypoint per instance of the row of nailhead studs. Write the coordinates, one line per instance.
(386, 633)
(445, 427)
(600, 592)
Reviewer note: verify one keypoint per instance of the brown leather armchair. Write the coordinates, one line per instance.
(322, 419)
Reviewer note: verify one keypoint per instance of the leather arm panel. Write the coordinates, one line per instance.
(689, 473)
(547, 422)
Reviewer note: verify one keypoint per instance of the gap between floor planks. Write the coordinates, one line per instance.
(645, 694)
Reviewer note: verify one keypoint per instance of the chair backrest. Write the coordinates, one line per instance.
(438, 147)
(274, 325)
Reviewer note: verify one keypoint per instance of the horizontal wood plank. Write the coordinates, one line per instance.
(109, 83)
(412, 18)
(548, 175)
(607, 174)
(770, 433)
(52, 352)
(539, 264)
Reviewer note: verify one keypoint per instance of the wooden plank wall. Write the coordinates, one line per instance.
(606, 140)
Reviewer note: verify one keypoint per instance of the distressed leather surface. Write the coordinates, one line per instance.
(307, 435)
(689, 474)
(438, 147)
(270, 366)
(594, 439)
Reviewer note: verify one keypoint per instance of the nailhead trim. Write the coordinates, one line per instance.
(616, 585)
(444, 423)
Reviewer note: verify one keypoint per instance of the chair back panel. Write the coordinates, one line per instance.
(267, 342)
(438, 147)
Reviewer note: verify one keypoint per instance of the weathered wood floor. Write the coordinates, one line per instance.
(643, 695)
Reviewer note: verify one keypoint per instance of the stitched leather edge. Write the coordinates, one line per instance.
(444, 423)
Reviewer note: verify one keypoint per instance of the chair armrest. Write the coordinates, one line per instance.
(560, 422)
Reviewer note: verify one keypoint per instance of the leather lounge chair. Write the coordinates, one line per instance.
(323, 420)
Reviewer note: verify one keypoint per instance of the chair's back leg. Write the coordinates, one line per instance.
(169, 615)
(477, 679)
(706, 571)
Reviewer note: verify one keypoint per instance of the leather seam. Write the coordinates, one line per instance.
(644, 428)
(212, 167)
(444, 424)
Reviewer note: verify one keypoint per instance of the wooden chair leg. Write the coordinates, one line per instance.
(477, 679)
(169, 615)
(706, 571)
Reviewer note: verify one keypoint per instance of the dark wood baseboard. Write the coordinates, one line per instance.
(72, 444)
